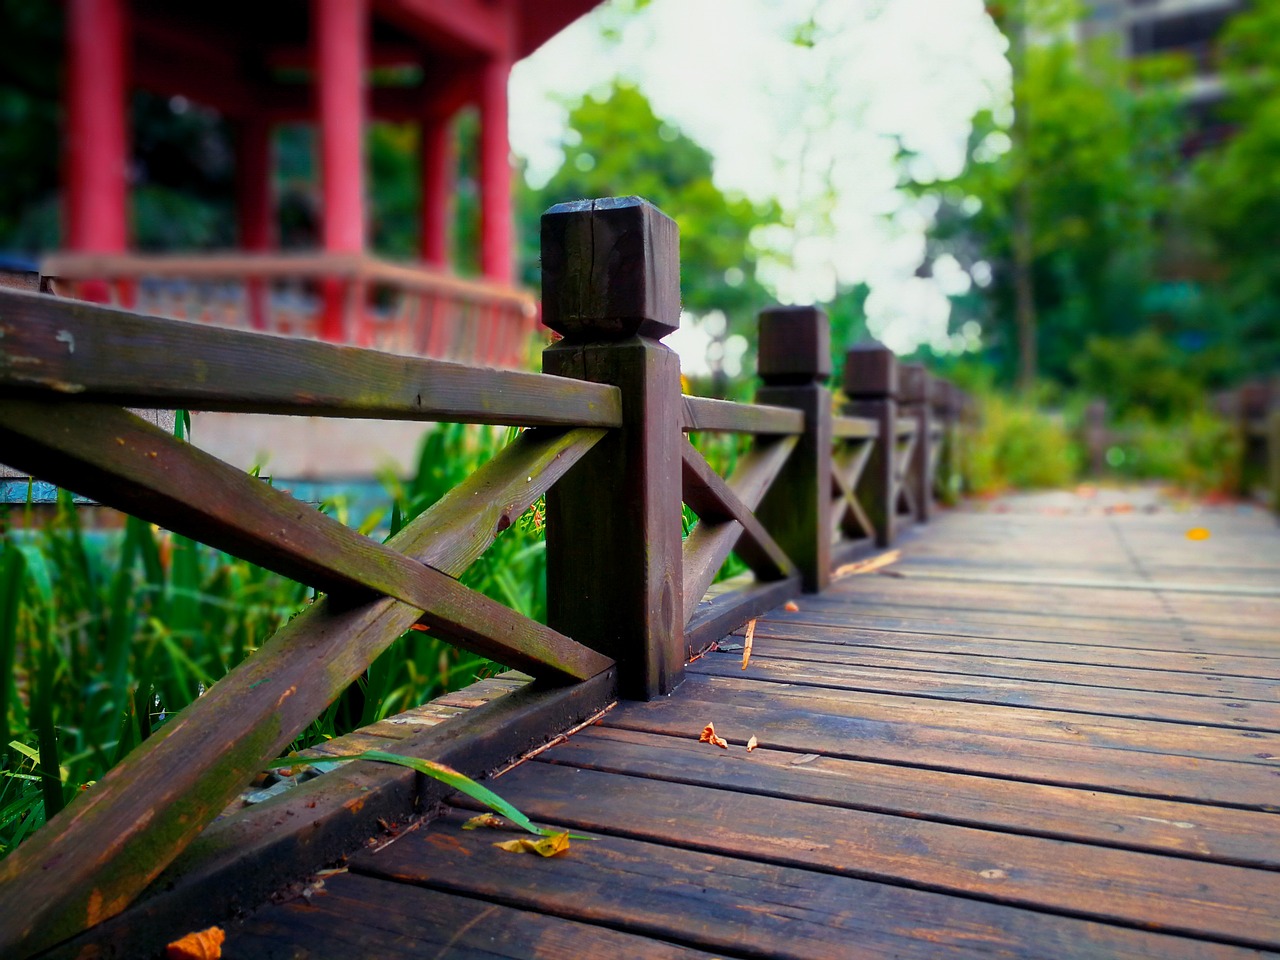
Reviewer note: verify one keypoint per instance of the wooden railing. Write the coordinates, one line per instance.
(343, 298)
(627, 597)
(1254, 411)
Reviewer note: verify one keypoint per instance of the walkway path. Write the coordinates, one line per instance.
(1050, 729)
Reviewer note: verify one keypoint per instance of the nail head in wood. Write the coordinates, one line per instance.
(610, 270)
(795, 345)
(870, 371)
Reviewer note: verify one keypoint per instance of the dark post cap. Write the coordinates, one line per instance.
(795, 345)
(610, 269)
(870, 371)
(915, 382)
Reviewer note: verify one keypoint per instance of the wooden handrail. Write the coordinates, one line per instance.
(93, 353)
(605, 448)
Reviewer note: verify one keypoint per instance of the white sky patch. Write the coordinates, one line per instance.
(816, 128)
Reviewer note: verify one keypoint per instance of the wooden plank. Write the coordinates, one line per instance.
(111, 455)
(1024, 723)
(1028, 628)
(845, 730)
(738, 907)
(1041, 693)
(1228, 669)
(725, 416)
(356, 916)
(708, 545)
(1220, 902)
(90, 353)
(854, 428)
(715, 502)
(1142, 675)
(248, 855)
(1197, 831)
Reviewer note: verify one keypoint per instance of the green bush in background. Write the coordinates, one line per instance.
(1015, 445)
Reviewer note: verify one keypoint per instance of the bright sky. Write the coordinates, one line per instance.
(800, 124)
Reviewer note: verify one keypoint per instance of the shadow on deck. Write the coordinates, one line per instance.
(1051, 729)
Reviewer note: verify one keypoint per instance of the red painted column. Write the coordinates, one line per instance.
(496, 255)
(439, 163)
(97, 147)
(341, 32)
(255, 206)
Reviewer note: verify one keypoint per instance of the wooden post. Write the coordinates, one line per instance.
(1273, 459)
(496, 246)
(871, 383)
(916, 404)
(1095, 436)
(340, 54)
(438, 165)
(611, 287)
(794, 363)
(944, 408)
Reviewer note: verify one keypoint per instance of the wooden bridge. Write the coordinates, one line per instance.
(1047, 728)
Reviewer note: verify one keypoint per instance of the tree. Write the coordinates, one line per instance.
(1237, 200)
(617, 146)
(1090, 177)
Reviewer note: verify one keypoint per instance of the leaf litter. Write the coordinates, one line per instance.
(746, 646)
(709, 736)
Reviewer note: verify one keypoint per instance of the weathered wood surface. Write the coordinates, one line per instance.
(70, 877)
(70, 349)
(991, 786)
(725, 416)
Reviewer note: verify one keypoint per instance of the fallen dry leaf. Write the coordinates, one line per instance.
(746, 646)
(752, 743)
(1197, 533)
(484, 820)
(709, 736)
(791, 606)
(552, 846)
(867, 566)
(201, 945)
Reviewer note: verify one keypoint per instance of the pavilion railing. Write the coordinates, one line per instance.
(604, 441)
(413, 310)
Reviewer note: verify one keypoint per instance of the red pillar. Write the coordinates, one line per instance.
(496, 259)
(340, 52)
(255, 206)
(97, 149)
(438, 166)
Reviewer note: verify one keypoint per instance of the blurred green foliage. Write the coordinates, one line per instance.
(615, 145)
(1014, 444)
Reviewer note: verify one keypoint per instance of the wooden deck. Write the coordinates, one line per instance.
(1051, 729)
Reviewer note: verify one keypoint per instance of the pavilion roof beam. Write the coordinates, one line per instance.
(483, 28)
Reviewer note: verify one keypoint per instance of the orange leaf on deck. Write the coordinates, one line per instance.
(709, 736)
(791, 606)
(201, 945)
(1197, 533)
(484, 820)
(552, 846)
(867, 566)
(746, 646)
(752, 743)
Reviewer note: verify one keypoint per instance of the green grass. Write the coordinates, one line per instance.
(106, 634)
